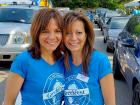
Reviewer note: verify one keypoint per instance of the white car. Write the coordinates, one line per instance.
(15, 22)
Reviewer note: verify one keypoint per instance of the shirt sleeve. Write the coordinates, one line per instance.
(104, 67)
(18, 66)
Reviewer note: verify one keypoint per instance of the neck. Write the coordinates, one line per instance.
(77, 58)
(48, 57)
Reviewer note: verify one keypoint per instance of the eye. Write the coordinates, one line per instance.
(79, 33)
(58, 31)
(45, 31)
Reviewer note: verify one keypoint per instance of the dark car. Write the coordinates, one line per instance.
(126, 60)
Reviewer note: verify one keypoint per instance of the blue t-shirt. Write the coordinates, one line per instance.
(43, 83)
(86, 90)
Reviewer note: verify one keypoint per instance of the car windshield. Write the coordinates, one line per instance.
(111, 14)
(118, 23)
(16, 15)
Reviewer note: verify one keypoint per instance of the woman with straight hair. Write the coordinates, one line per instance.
(38, 72)
(89, 78)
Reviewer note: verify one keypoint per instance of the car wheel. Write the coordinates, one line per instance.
(101, 29)
(136, 95)
(116, 68)
(6, 64)
(108, 49)
(103, 32)
(104, 40)
(98, 25)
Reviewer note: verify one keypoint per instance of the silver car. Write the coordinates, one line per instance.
(114, 26)
(15, 22)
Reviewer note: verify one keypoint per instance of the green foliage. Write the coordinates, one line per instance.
(137, 29)
(111, 4)
(134, 26)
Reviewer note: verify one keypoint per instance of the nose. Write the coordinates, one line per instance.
(52, 35)
(73, 37)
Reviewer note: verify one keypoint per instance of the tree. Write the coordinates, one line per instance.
(111, 4)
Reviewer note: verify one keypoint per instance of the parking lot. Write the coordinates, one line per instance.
(123, 93)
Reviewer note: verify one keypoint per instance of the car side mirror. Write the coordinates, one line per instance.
(128, 42)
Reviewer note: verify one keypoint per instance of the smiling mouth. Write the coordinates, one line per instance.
(52, 43)
(73, 44)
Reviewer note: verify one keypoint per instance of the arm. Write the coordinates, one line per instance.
(108, 89)
(14, 83)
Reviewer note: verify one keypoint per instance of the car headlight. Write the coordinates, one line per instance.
(110, 38)
(20, 38)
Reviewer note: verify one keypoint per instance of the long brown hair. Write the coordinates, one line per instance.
(69, 18)
(39, 23)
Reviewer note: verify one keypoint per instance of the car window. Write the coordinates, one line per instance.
(108, 22)
(16, 15)
(133, 26)
(111, 14)
(118, 23)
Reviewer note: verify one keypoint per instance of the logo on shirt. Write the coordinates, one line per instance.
(53, 89)
(76, 91)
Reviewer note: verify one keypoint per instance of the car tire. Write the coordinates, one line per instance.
(103, 33)
(6, 64)
(101, 29)
(116, 68)
(98, 25)
(104, 40)
(136, 95)
(95, 22)
(108, 49)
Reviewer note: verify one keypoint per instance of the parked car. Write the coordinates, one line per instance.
(15, 22)
(63, 10)
(90, 15)
(126, 60)
(101, 15)
(96, 18)
(107, 15)
(113, 27)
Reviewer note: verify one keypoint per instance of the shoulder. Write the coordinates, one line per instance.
(20, 64)
(97, 55)
(23, 56)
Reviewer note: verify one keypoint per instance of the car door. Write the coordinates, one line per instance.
(123, 51)
(127, 49)
(133, 52)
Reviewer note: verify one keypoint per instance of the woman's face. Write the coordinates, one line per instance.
(75, 39)
(51, 37)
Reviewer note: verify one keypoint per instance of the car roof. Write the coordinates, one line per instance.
(111, 13)
(22, 7)
(120, 17)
